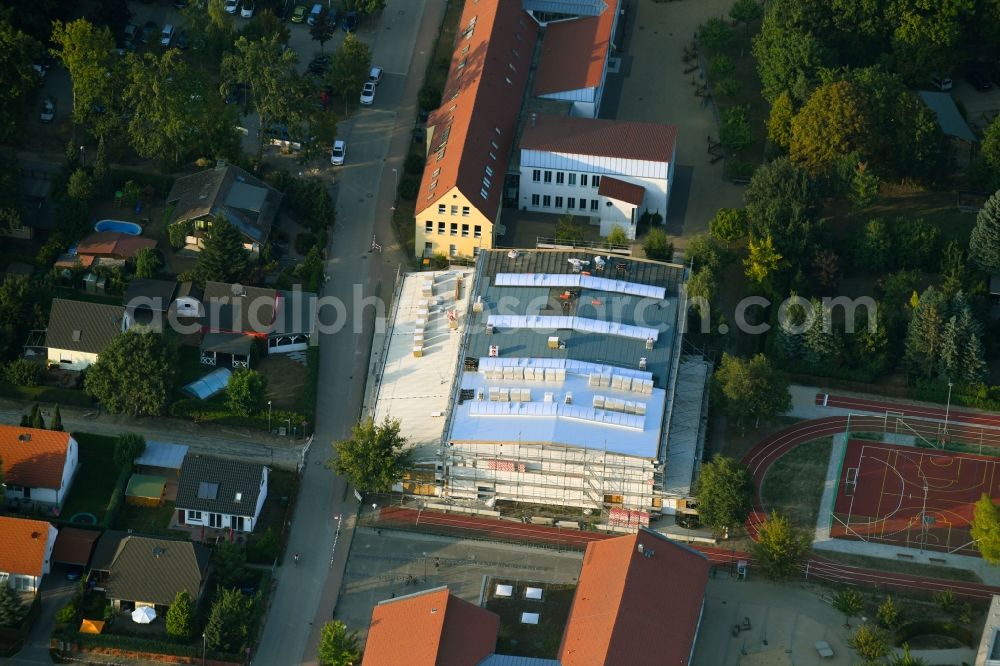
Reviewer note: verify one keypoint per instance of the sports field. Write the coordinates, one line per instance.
(911, 497)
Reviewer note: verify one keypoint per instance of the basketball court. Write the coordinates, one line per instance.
(912, 497)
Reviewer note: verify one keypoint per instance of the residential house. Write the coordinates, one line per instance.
(605, 170)
(236, 317)
(220, 493)
(471, 135)
(136, 571)
(148, 301)
(248, 203)
(25, 552)
(78, 331)
(430, 628)
(639, 601)
(38, 465)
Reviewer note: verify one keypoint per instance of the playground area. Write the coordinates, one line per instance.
(912, 497)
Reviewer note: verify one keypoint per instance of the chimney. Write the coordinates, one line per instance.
(639, 548)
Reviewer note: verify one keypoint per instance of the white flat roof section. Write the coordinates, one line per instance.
(416, 388)
(555, 323)
(570, 280)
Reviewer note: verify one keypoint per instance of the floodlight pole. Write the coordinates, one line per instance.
(268, 417)
(923, 521)
(947, 409)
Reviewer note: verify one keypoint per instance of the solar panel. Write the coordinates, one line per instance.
(208, 491)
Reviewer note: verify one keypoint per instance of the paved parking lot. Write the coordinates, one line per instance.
(395, 563)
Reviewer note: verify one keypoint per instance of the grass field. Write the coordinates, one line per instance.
(901, 566)
(531, 640)
(95, 477)
(147, 520)
(794, 484)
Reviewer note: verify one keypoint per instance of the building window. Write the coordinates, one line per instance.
(428, 227)
(475, 252)
(440, 227)
(484, 194)
(535, 199)
(595, 181)
(465, 211)
(536, 175)
(572, 179)
(593, 204)
(454, 228)
(546, 201)
(477, 231)
(454, 210)
(548, 176)
(559, 202)
(453, 250)
(465, 230)
(194, 515)
(441, 209)
(428, 246)
(571, 203)
(559, 177)
(583, 203)
(583, 180)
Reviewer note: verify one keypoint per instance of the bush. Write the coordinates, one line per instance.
(414, 164)
(657, 246)
(429, 97)
(409, 188)
(440, 262)
(617, 236)
(117, 496)
(245, 391)
(304, 242)
(263, 548)
(178, 233)
(720, 66)
(137, 644)
(23, 372)
(715, 33)
(727, 87)
(734, 128)
(66, 614)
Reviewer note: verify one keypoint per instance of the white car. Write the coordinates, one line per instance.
(368, 94)
(375, 75)
(231, 6)
(942, 83)
(48, 110)
(338, 153)
(166, 35)
(246, 11)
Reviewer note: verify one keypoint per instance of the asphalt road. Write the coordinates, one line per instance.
(377, 140)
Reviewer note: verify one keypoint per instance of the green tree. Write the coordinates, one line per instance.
(720, 66)
(734, 128)
(101, 169)
(725, 494)
(781, 202)
(701, 288)
(222, 257)
(788, 58)
(831, 124)
(86, 51)
(745, 12)
(337, 645)
(729, 224)
(924, 335)
(568, 229)
(780, 549)
(984, 244)
(322, 30)
(133, 375)
(128, 447)
(349, 69)
(657, 245)
(617, 236)
(888, 613)
(37, 420)
(904, 658)
(230, 563)
(864, 186)
(779, 120)
(925, 35)
(17, 78)
(870, 643)
(81, 185)
(873, 246)
(985, 529)
(374, 457)
(369, 7)
(989, 148)
(12, 611)
(56, 420)
(246, 391)
(147, 262)
(823, 347)
(762, 259)
(715, 34)
(229, 621)
(429, 97)
(264, 24)
(181, 617)
(848, 603)
(23, 372)
(269, 71)
(751, 389)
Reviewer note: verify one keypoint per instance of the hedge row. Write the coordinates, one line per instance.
(46, 394)
(117, 497)
(160, 183)
(201, 412)
(136, 644)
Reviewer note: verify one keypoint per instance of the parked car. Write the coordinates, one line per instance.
(314, 14)
(182, 39)
(688, 521)
(338, 153)
(48, 110)
(350, 22)
(246, 11)
(978, 80)
(942, 83)
(148, 30)
(166, 35)
(375, 75)
(130, 32)
(368, 93)
(299, 14)
(231, 6)
(74, 572)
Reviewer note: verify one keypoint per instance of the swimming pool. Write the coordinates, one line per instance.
(130, 228)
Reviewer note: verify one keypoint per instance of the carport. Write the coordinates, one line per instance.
(74, 546)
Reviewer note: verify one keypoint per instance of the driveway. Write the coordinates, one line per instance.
(377, 138)
(56, 591)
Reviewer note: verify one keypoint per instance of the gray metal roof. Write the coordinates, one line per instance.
(82, 326)
(948, 116)
(162, 454)
(154, 570)
(239, 485)
(509, 660)
(212, 383)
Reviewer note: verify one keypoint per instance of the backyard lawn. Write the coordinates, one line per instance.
(95, 477)
(148, 520)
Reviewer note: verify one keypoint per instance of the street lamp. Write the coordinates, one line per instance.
(203, 649)
(947, 409)
(83, 156)
(268, 417)
(395, 191)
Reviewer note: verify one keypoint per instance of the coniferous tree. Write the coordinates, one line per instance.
(12, 611)
(984, 244)
(822, 345)
(56, 420)
(37, 420)
(222, 259)
(924, 334)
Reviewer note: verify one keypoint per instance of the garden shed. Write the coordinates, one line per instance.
(145, 490)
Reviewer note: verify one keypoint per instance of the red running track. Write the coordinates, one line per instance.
(921, 411)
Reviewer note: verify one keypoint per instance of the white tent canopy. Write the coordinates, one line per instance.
(144, 615)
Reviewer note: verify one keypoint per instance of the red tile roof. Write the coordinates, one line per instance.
(74, 545)
(621, 190)
(112, 244)
(485, 87)
(604, 138)
(632, 609)
(33, 458)
(432, 628)
(22, 546)
(575, 52)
